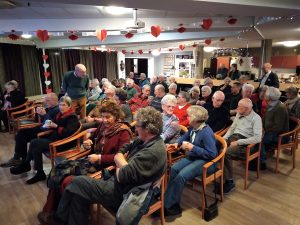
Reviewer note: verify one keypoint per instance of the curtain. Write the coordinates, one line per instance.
(13, 64)
(86, 59)
(3, 78)
(31, 70)
(112, 65)
(72, 58)
(99, 65)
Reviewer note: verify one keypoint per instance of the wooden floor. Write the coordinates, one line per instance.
(272, 199)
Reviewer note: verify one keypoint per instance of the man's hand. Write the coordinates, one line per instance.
(120, 160)
(41, 111)
(93, 158)
(234, 144)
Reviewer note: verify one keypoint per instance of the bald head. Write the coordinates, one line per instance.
(218, 99)
(80, 70)
(267, 67)
(51, 100)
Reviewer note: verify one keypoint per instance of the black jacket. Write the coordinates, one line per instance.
(272, 80)
(217, 117)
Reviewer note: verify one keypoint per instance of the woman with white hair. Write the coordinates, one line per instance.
(206, 94)
(195, 93)
(275, 122)
(171, 128)
(173, 89)
(95, 90)
(200, 145)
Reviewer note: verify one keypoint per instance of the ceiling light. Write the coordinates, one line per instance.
(115, 10)
(209, 49)
(102, 46)
(155, 52)
(290, 43)
(26, 35)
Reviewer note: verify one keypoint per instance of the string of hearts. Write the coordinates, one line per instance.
(46, 73)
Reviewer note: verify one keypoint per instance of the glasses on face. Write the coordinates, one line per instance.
(170, 106)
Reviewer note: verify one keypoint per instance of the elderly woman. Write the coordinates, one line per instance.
(173, 89)
(200, 144)
(195, 93)
(63, 126)
(293, 101)
(197, 83)
(171, 129)
(206, 94)
(95, 91)
(275, 122)
(180, 110)
(120, 98)
(134, 167)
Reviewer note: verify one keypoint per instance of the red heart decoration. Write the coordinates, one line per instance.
(129, 35)
(140, 51)
(43, 35)
(49, 90)
(124, 52)
(45, 57)
(73, 37)
(222, 39)
(208, 41)
(231, 20)
(170, 49)
(46, 74)
(181, 29)
(181, 47)
(194, 45)
(13, 36)
(206, 24)
(155, 31)
(131, 52)
(101, 34)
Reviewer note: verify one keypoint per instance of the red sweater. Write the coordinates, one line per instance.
(182, 115)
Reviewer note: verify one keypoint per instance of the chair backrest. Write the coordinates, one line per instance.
(223, 131)
(183, 129)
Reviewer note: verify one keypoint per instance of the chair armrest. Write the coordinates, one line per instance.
(44, 133)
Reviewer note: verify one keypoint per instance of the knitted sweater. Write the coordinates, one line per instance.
(171, 129)
(76, 87)
(181, 114)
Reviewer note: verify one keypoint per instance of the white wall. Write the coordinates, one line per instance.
(121, 56)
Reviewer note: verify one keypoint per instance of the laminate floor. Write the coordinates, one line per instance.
(273, 199)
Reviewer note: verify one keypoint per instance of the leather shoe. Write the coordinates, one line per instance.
(11, 162)
(39, 176)
(175, 210)
(46, 218)
(22, 168)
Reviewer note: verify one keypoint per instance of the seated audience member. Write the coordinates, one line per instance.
(122, 83)
(275, 122)
(134, 167)
(132, 77)
(293, 101)
(159, 94)
(153, 83)
(105, 85)
(195, 93)
(172, 80)
(116, 83)
(180, 110)
(200, 144)
(120, 98)
(235, 97)
(222, 72)
(171, 128)
(234, 73)
(262, 102)
(208, 82)
(140, 100)
(226, 88)
(24, 136)
(173, 89)
(247, 91)
(13, 97)
(197, 83)
(95, 91)
(246, 129)
(161, 80)
(63, 126)
(243, 79)
(205, 95)
(143, 80)
(130, 89)
(218, 115)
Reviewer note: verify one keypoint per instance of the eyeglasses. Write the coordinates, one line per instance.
(170, 106)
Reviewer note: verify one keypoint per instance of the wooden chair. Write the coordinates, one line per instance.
(292, 144)
(223, 131)
(53, 145)
(28, 121)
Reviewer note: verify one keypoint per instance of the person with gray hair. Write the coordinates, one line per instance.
(205, 95)
(181, 108)
(159, 92)
(130, 89)
(208, 82)
(140, 100)
(293, 101)
(275, 122)
(153, 83)
(95, 90)
(139, 163)
(161, 80)
(247, 91)
(200, 146)
(195, 93)
(143, 80)
(171, 129)
(226, 89)
(173, 89)
(246, 129)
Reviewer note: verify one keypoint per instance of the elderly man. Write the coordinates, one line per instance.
(130, 89)
(134, 167)
(131, 76)
(246, 129)
(247, 91)
(269, 78)
(75, 85)
(24, 136)
(218, 114)
(140, 100)
(143, 80)
(161, 80)
(235, 97)
(159, 92)
(95, 90)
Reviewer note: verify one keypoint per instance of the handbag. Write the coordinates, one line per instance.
(211, 211)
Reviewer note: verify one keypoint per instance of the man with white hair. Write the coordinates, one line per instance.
(95, 90)
(161, 80)
(75, 85)
(130, 89)
(246, 129)
(159, 92)
(247, 91)
(269, 78)
(131, 76)
(143, 80)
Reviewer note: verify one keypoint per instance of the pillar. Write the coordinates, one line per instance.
(198, 56)
(265, 54)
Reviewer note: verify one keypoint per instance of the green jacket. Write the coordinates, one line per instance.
(76, 87)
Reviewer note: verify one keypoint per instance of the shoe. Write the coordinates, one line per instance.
(4, 131)
(39, 176)
(11, 162)
(21, 168)
(228, 186)
(46, 218)
(175, 210)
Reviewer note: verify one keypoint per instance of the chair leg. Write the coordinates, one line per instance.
(246, 175)
(203, 203)
(294, 156)
(277, 160)
(258, 167)
(162, 216)
(221, 186)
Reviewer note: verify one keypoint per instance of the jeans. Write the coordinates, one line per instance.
(269, 140)
(181, 172)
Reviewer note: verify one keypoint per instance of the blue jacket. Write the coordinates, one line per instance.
(204, 144)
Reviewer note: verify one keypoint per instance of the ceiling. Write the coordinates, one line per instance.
(256, 19)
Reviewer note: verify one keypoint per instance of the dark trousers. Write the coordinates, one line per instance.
(3, 117)
(36, 149)
(22, 138)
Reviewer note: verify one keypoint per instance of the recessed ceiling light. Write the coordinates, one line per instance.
(102, 46)
(290, 43)
(209, 49)
(115, 10)
(26, 36)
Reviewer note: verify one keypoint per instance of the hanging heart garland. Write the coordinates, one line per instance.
(47, 82)
(46, 74)
(45, 57)
(208, 41)
(129, 35)
(46, 66)
(155, 30)
(43, 35)
(101, 34)
(181, 29)
(181, 47)
(206, 24)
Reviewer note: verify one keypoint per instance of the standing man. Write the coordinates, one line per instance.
(270, 79)
(75, 85)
